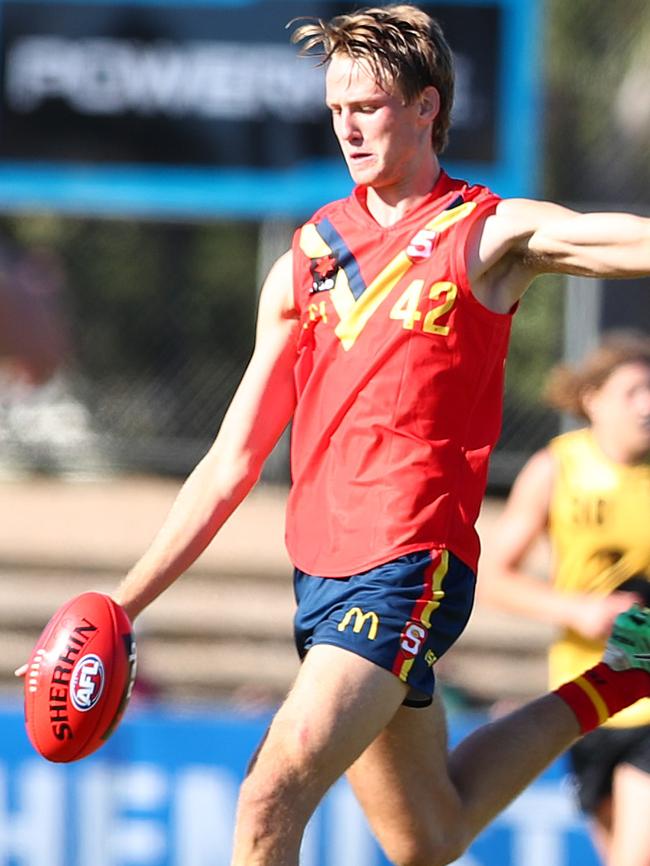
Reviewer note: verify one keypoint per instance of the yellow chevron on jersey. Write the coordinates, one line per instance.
(312, 244)
(315, 247)
(354, 322)
(355, 312)
(598, 526)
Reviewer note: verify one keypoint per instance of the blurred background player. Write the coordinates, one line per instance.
(589, 491)
(34, 333)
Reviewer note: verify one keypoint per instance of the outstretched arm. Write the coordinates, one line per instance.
(590, 244)
(259, 412)
(525, 238)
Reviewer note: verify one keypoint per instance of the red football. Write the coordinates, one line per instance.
(79, 678)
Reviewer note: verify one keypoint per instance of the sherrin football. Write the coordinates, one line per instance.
(79, 678)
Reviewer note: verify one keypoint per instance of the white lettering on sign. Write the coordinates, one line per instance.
(204, 816)
(147, 814)
(32, 822)
(211, 80)
(106, 834)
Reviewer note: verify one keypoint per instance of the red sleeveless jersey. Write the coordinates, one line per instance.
(399, 382)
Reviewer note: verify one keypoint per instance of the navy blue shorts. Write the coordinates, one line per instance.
(403, 615)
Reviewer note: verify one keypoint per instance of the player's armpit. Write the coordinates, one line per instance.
(500, 264)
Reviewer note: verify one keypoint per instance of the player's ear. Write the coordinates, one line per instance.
(429, 104)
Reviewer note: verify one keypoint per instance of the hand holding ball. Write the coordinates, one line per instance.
(79, 678)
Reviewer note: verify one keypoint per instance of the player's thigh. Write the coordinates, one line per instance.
(403, 785)
(630, 833)
(338, 705)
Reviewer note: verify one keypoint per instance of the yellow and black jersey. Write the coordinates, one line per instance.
(599, 521)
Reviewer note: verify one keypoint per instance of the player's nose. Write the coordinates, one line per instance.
(348, 128)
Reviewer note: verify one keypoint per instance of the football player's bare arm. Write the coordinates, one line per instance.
(525, 238)
(259, 412)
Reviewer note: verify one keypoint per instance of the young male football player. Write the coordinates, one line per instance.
(383, 333)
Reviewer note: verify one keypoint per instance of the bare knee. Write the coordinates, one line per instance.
(269, 817)
(281, 791)
(267, 794)
(427, 849)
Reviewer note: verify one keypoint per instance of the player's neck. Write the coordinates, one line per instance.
(388, 204)
(618, 452)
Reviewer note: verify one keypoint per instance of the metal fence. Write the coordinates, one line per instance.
(159, 325)
(159, 317)
(156, 322)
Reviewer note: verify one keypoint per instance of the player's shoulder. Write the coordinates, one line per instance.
(461, 190)
(476, 192)
(571, 442)
(522, 217)
(576, 453)
(541, 464)
(533, 486)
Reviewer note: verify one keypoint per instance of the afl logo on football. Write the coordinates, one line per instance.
(87, 683)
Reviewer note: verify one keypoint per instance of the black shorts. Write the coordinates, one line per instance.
(594, 758)
(402, 615)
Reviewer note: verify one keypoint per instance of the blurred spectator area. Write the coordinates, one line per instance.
(223, 632)
(34, 338)
(159, 325)
(154, 325)
(121, 344)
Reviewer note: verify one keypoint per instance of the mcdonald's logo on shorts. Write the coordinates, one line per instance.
(360, 619)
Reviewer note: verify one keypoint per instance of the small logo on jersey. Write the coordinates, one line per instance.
(87, 683)
(421, 246)
(323, 272)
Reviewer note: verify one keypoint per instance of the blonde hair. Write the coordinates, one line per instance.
(402, 45)
(567, 385)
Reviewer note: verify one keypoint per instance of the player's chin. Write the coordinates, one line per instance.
(363, 170)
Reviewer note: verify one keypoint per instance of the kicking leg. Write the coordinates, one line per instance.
(425, 805)
(499, 760)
